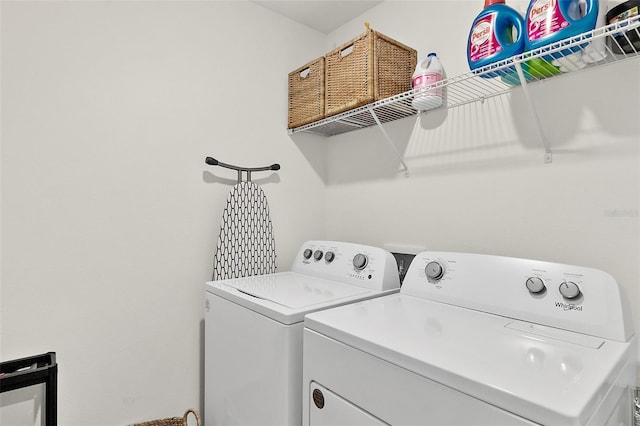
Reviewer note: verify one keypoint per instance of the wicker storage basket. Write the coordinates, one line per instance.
(366, 69)
(172, 421)
(306, 93)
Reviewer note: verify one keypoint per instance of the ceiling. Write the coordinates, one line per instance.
(324, 16)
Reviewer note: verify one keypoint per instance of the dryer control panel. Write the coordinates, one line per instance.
(364, 266)
(575, 298)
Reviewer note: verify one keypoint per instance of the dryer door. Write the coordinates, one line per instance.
(329, 409)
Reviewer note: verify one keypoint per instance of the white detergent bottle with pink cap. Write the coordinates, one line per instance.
(428, 72)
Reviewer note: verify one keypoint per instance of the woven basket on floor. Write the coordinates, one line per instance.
(172, 421)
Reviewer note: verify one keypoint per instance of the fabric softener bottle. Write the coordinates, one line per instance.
(497, 34)
(550, 21)
(428, 72)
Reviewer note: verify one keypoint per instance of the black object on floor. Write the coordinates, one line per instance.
(31, 371)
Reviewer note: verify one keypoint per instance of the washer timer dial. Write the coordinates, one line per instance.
(434, 271)
(360, 261)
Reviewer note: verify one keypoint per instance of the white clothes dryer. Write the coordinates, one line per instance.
(253, 328)
(475, 340)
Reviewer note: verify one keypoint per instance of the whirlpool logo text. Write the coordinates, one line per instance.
(568, 306)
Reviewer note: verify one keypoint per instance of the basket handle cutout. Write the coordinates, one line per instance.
(346, 51)
(305, 72)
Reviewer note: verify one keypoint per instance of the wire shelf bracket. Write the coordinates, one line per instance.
(389, 141)
(548, 156)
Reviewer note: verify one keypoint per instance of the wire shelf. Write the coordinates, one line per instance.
(616, 43)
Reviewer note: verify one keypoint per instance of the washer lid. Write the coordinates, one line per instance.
(294, 291)
(543, 374)
(288, 296)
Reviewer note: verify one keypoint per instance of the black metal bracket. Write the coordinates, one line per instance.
(213, 162)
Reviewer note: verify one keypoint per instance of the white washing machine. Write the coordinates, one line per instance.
(253, 328)
(475, 340)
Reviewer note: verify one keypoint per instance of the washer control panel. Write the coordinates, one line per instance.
(350, 263)
(570, 297)
(568, 289)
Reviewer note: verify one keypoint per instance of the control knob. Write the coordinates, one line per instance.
(317, 255)
(434, 270)
(307, 253)
(569, 290)
(329, 256)
(360, 261)
(535, 285)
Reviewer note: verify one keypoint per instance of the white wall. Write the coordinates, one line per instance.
(109, 214)
(477, 181)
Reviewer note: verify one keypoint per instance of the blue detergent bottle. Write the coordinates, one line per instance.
(497, 33)
(551, 21)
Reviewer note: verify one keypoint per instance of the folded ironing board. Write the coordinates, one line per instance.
(245, 243)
